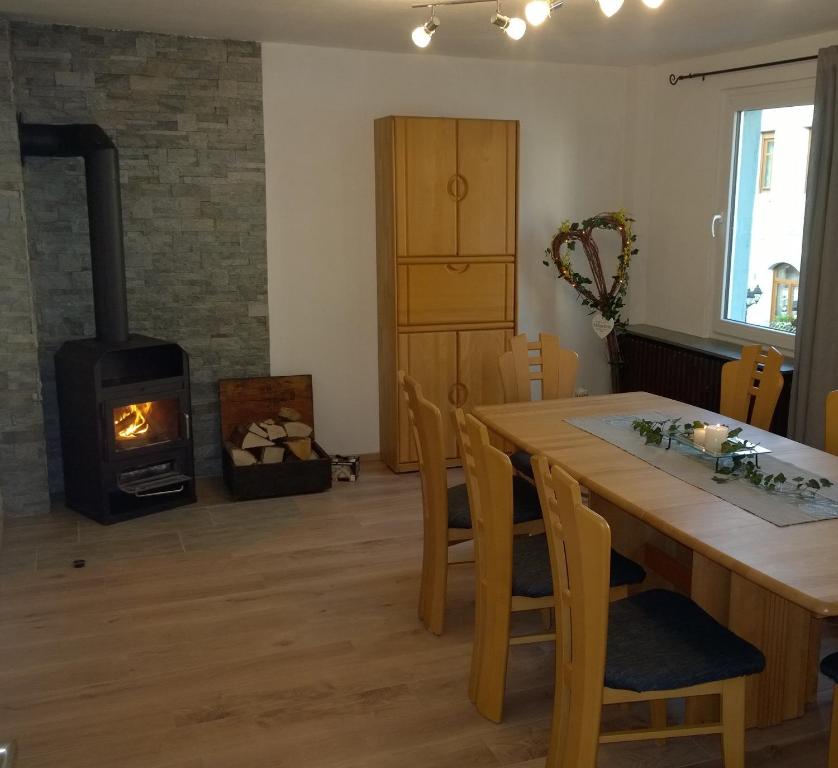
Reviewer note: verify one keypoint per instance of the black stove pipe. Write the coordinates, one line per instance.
(104, 212)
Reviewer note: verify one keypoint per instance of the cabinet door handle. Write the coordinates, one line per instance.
(455, 184)
(454, 394)
(457, 269)
(462, 181)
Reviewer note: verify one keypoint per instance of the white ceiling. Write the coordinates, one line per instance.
(578, 32)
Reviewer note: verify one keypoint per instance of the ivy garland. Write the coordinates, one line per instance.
(740, 468)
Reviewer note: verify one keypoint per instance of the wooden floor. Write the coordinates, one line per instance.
(274, 634)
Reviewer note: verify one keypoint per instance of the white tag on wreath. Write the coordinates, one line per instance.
(602, 327)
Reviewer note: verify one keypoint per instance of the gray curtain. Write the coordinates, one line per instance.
(816, 353)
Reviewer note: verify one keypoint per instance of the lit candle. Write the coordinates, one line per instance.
(715, 436)
(699, 435)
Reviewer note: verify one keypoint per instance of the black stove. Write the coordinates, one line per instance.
(124, 401)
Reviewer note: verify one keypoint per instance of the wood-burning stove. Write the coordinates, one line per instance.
(124, 402)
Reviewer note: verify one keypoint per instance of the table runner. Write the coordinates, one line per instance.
(698, 469)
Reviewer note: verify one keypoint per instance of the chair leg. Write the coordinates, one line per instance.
(494, 656)
(833, 734)
(547, 618)
(432, 597)
(657, 709)
(733, 723)
(477, 644)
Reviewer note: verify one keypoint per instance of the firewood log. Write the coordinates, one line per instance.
(244, 438)
(274, 431)
(298, 429)
(289, 414)
(273, 454)
(256, 429)
(240, 457)
(300, 447)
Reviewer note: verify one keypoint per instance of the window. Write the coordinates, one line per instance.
(766, 203)
(766, 161)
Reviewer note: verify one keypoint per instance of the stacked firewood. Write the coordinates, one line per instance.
(272, 441)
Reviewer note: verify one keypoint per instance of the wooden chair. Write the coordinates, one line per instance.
(653, 646)
(513, 574)
(831, 442)
(446, 518)
(751, 386)
(556, 369)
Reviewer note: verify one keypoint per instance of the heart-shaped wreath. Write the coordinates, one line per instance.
(605, 300)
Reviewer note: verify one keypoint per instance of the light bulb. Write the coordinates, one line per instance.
(538, 11)
(422, 35)
(516, 28)
(653, 3)
(610, 7)
(421, 38)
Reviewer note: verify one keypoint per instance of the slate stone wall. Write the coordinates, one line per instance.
(23, 472)
(186, 115)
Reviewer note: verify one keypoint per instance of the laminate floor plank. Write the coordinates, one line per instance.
(277, 634)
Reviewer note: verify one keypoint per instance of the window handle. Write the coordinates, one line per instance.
(718, 218)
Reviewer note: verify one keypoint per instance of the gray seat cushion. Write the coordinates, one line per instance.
(660, 640)
(532, 577)
(526, 506)
(829, 666)
(521, 460)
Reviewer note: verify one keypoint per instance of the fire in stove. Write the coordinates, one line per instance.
(131, 422)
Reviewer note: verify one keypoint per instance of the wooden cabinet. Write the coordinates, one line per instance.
(446, 211)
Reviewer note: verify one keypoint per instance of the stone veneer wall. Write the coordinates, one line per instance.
(23, 474)
(186, 115)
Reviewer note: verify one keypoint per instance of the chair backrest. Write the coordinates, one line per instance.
(555, 369)
(751, 386)
(425, 422)
(489, 481)
(580, 558)
(831, 444)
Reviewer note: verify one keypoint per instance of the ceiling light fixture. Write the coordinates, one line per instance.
(610, 7)
(514, 27)
(422, 35)
(538, 11)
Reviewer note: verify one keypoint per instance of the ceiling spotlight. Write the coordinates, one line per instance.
(653, 3)
(610, 7)
(514, 27)
(422, 35)
(538, 11)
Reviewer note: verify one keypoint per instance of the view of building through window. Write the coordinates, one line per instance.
(767, 206)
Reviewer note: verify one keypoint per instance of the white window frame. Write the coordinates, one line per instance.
(790, 94)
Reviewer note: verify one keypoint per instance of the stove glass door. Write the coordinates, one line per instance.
(140, 425)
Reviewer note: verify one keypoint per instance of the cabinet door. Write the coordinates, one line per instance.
(487, 162)
(426, 167)
(467, 292)
(477, 362)
(431, 359)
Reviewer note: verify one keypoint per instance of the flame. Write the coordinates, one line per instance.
(130, 422)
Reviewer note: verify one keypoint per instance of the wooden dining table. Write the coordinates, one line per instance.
(771, 585)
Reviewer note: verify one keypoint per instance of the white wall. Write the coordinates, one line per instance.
(675, 183)
(320, 104)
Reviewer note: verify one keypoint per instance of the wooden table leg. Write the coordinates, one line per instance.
(789, 636)
(711, 590)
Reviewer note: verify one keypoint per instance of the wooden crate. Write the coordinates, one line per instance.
(244, 400)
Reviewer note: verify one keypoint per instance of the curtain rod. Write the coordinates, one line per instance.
(675, 79)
